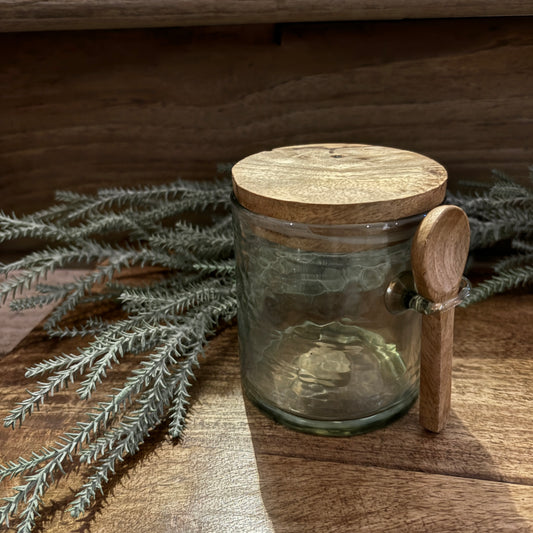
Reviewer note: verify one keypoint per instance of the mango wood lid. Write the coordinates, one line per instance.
(338, 183)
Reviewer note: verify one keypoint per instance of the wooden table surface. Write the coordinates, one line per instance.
(235, 470)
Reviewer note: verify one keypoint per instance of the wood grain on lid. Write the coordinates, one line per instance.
(338, 183)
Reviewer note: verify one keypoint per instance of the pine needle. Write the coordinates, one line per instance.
(501, 215)
(168, 323)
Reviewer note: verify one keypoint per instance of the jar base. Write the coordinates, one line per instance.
(334, 428)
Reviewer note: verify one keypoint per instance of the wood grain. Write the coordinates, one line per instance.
(20, 15)
(438, 258)
(82, 110)
(338, 183)
(436, 356)
(236, 470)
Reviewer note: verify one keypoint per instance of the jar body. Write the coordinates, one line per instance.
(318, 349)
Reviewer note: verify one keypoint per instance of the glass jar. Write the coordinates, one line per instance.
(321, 231)
(319, 351)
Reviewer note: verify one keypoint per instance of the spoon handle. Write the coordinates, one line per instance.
(436, 369)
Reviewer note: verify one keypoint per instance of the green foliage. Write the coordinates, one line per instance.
(507, 279)
(501, 214)
(167, 325)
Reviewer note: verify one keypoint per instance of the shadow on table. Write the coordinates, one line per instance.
(400, 478)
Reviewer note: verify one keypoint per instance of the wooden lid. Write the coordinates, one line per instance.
(338, 183)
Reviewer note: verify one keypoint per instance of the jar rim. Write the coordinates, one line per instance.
(384, 225)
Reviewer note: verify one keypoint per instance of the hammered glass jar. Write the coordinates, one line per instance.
(319, 350)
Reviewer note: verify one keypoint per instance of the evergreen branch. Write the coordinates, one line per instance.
(79, 289)
(62, 289)
(513, 261)
(507, 189)
(38, 264)
(18, 283)
(38, 481)
(131, 432)
(509, 279)
(22, 465)
(66, 368)
(125, 440)
(30, 302)
(200, 243)
(59, 362)
(486, 208)
(92, 326)
(54, 383)
(142, 222)
(48, 294)
(486, 234)
(222, 226)
(54, 213)
(121, 336)
(179, 192)
(521, 245)
(12, 228)
(161, 193)
(224, 267)
(180, 402)
(69, 198)
(170, 320)
(188, 203)
(52, 258)
(500, 213)
(155, 367)
(148, 302)
(133, 429)
(114, 223)
(138, 340)
(119, 259)
(519, 215)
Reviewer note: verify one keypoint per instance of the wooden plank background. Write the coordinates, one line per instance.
(81, 110)
(21, 15)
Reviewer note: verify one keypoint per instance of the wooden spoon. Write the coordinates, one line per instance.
(438, 256)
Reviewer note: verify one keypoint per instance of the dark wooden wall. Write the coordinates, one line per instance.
(85, 109)
(38, 15)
